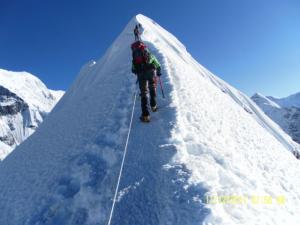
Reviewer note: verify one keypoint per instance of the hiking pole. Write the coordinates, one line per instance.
(161, 87)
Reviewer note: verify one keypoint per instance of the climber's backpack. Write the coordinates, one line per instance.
(140, 55)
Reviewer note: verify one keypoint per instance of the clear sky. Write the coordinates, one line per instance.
(252, 44)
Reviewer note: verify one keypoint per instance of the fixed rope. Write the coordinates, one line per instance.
(123, 160)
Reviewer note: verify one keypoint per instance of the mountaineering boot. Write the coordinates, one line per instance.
(145, 119)
(154, 108)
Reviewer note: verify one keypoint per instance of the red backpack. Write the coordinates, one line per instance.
(140, 54)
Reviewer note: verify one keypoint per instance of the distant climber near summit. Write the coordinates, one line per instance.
(137, 32)
(147, 68)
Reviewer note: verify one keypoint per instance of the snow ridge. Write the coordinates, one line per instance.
(207, 139)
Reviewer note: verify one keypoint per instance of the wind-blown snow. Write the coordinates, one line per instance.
(207, 139)
(24, 102)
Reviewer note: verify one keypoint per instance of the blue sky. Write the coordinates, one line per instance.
(252, 44)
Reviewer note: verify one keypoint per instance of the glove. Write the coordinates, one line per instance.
(133, 71)
(158, 72)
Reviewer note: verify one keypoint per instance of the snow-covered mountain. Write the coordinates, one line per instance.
(290, 101)
(24, 103)
(207, 141)
(284, 111)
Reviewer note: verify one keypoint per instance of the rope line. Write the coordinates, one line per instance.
(123, 160)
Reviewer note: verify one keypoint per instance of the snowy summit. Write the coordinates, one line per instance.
(24, 103)
(207, 141)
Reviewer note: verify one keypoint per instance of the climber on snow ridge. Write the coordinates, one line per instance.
(147, 68)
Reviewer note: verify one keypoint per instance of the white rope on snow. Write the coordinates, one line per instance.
(123, 159)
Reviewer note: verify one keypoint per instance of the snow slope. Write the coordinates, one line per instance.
(24, 103)
(207, 139)
(285, 112)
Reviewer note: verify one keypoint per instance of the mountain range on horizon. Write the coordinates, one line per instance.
(206, 142)
(284, 111)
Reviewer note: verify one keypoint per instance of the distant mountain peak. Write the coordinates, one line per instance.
(284, 111)
(24, 102)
